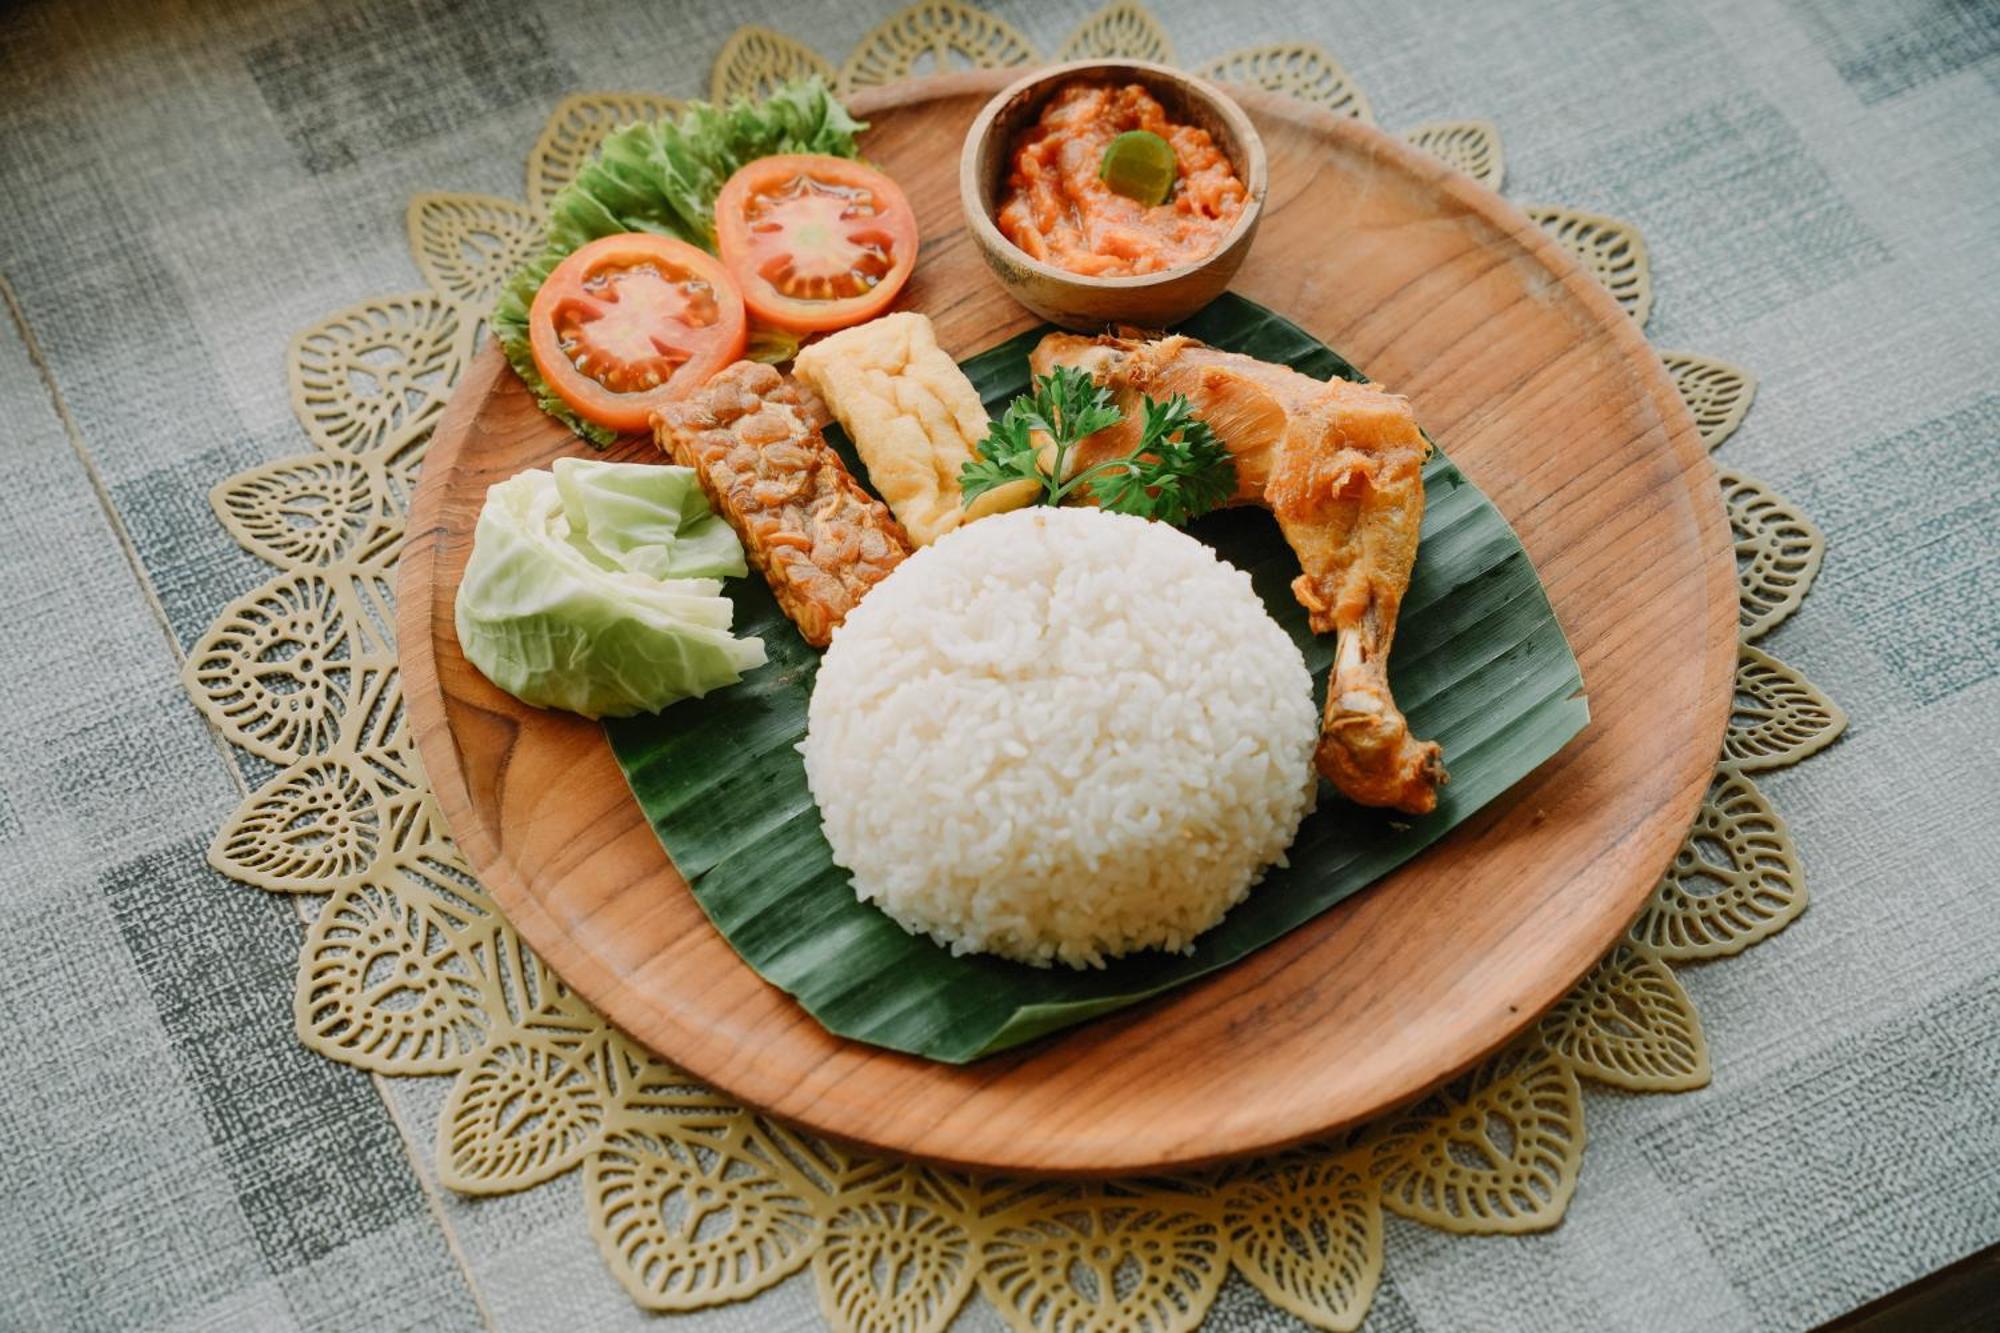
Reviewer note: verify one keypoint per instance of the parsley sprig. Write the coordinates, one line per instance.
(1179, 470)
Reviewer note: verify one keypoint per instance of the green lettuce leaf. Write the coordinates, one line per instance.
(662, 177)
(597, 588)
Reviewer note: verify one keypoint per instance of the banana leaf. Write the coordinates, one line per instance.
(1480, 665)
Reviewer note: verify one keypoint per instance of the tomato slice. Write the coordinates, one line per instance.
(629, 322)
(815, 242)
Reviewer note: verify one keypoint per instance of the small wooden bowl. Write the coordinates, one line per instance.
(1070, 299)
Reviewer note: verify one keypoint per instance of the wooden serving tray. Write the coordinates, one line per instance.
(1543, 391)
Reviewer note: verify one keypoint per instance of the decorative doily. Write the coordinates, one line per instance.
(409, 969)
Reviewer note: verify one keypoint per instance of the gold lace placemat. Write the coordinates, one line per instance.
(408, 968)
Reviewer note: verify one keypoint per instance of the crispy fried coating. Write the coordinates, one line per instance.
(1340, 465)
(914, 417)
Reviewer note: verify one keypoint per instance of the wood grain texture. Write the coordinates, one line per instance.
(1546, 395)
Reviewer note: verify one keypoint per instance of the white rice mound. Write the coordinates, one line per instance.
(1060, 735)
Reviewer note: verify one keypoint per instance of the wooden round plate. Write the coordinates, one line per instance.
(1544, 392)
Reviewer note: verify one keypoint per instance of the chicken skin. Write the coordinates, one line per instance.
(1340, 466)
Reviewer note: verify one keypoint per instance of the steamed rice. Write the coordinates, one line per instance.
(1061, 735)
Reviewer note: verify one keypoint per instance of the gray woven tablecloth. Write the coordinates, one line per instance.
(183, 186)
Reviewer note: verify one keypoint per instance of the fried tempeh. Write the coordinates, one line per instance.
(818, 539)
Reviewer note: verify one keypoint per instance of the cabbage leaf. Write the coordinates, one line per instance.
(597, 588)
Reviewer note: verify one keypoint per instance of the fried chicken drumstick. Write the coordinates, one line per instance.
(1340, 466)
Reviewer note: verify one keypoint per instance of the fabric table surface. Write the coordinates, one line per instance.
(182, 187)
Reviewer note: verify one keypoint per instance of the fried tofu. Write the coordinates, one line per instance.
(914, 417)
